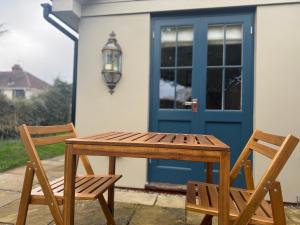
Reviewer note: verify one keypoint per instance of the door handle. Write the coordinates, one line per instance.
(193, 104)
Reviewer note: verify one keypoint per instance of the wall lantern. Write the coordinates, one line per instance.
(112, 62)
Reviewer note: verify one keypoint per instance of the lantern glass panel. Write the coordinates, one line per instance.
(107, 60)
(117, 61)
(108, 77)
(116, 77)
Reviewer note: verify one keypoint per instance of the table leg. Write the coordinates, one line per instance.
(224, 188)
(209, 172)
(207, 220)
(69, 192)
(111, 190)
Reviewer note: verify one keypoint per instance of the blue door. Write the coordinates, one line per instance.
(201, 82)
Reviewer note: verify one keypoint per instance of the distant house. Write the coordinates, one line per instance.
(18, 83)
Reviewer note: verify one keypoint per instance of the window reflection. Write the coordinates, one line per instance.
(233, 88)
(167, 89)
(234, 45)
(214, 89)
(168, 46)
(183, 88)
(185, 46)
(215, 38)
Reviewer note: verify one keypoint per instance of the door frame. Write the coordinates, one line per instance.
(183, 18)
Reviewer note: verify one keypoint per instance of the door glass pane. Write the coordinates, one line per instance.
(177, 55)
(224, 84)
(233, 88)
(167, 89)
(185, 46)
(168, 46)
(215, 37)
(214, 89)
(234, 35)
(183, 88)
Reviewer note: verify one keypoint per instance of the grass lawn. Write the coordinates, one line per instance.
(12, 153)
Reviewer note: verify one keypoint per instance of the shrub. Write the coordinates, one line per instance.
(7, 117)
(50, 107)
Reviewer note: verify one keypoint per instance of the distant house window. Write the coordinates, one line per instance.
(18, 94)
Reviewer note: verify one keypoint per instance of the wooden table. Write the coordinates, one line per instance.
(201, 148)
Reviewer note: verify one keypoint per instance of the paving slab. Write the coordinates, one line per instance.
(52, 163)
(170, 201)
(37, 214)
(293, 216)
(8, 196)
(150, 215)
(18, 170)
(89, 213)
(52, 174)
(11, 182)
(194, 218)
(135, 197)
(60, 158)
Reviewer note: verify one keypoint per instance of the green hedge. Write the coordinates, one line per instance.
(50, 107)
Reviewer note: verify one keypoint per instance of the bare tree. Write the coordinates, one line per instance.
(2, 29)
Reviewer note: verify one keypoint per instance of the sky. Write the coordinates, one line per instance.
(33, 43)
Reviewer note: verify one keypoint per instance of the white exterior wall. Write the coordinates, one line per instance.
(32, 92)
(8, 93)
(127, 109)
(277, 82)
(28, 92)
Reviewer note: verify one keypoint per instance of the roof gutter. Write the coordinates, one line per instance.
(47, 11)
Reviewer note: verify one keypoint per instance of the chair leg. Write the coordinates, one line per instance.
(25, 197)
(207, 220)
(277, 204)
(108, 215)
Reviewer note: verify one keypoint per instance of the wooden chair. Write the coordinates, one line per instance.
(89, 187)
(247, 206)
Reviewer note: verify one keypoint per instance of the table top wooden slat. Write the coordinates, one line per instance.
(135, 137)
(125, 137)
(97, 136)
(152, 139)
(145, 137)
(179, 139)
(169, 138)
(115, 137)
(190, 139)
(156, 138)
(203, 140)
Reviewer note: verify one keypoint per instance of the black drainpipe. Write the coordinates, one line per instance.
(47, 11)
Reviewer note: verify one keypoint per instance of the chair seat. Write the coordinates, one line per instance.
(87, 187)
(203, 198)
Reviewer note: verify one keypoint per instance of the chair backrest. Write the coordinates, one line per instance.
(46, 135)
(278, 149)
(34, 136)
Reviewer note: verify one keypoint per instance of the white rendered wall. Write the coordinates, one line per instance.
(277, 85)
(127, 109)
(8, 93)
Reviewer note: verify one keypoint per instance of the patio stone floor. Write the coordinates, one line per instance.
(131, 208)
